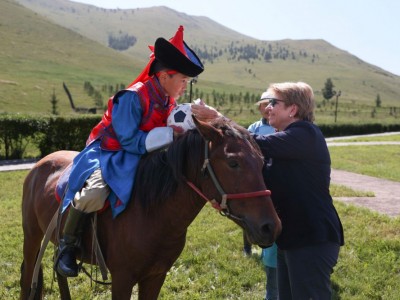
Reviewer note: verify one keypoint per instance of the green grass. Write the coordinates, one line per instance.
(338, 190)
(212, 266)
(369, 263)
(376, 160)
(379, 161)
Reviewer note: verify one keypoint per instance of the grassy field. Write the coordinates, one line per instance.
(212, 265)
(379, 161)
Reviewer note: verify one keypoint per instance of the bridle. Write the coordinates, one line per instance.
(222, 206)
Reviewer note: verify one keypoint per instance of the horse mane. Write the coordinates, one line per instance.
(160, 172)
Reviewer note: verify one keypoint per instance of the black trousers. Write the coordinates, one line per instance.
(305, 273)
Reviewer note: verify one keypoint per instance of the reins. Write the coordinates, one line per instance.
(50, 228)
(222, 206)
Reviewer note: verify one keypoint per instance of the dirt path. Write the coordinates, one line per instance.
(387, 193)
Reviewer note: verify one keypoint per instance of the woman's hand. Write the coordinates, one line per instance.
(204, 112)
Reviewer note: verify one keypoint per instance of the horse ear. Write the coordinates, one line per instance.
(207, 131)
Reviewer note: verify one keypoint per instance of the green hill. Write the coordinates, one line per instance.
(51, 41)
(37, 56)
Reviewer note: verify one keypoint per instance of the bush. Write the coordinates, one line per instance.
(49, 134)
(66, 134)
(16, 132)
(334, 130)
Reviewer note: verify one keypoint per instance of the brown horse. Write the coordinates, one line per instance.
(217, 161)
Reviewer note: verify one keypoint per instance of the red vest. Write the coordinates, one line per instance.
(155, 114)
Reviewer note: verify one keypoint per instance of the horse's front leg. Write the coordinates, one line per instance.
(63, 287)
(149, 288)
(122, 285)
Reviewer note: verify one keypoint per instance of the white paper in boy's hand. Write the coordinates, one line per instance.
(197, 101)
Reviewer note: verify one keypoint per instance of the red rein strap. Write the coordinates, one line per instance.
(225, 197)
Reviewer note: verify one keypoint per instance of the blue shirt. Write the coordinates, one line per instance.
(261, 127)
(269, 256)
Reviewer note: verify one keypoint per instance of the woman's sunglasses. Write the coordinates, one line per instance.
(274, 101)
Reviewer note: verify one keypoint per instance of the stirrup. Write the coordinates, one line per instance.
(66, 271)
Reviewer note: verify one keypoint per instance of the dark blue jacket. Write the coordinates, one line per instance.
(297, 171)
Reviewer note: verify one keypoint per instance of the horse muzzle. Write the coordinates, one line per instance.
(263, 235)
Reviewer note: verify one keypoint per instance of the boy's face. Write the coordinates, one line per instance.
(174, 85)
(263, 111)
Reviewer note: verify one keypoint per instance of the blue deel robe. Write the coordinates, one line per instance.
(118, 167)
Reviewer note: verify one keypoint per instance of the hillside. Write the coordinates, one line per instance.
(37, 56)
(77, 49)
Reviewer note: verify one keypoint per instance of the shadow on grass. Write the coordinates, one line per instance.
(335, 291)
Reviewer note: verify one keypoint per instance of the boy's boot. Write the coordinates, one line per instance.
(66, 261)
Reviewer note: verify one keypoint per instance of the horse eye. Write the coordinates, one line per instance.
(233, 164)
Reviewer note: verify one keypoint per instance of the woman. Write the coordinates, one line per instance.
(299, 177)
(298, 174)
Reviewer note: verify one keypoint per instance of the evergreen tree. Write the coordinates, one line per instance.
(328, 91)
(378, 101)
(54, 103)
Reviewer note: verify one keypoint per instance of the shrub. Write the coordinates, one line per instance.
(333, 130)
(49, 134)
(16, 132)
(66, 134)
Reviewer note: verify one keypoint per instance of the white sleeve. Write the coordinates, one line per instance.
(159, 137)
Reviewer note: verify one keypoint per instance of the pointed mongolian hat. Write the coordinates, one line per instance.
(175, 55)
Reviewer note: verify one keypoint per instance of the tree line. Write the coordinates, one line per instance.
(252, 52)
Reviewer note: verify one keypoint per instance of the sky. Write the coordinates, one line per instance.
(366, 29)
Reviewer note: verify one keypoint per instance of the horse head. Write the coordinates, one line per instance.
(222, 164)
(233, 163)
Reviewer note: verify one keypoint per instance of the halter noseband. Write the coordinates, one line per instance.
(222, 207)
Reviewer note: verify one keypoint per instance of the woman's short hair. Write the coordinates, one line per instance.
(299, 93)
